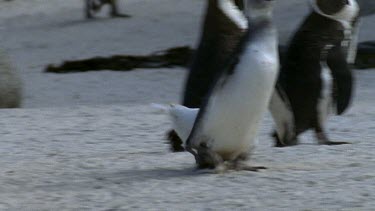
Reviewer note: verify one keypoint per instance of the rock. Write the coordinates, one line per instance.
(10, 84)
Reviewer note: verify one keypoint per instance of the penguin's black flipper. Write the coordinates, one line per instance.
(219, 38)
(342, 78)
(176, 144)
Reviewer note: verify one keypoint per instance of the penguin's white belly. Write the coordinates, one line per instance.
(234, 111)
(324, 106)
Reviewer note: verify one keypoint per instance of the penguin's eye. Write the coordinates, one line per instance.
(347, 2)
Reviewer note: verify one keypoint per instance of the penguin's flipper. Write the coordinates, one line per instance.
(175, 142)
(282, 114)
(342, 77)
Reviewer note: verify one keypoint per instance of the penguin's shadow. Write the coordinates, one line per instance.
(137, 175)
(77, 22)
(81, 22)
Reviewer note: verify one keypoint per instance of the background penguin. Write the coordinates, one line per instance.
(315, 77)
(223, 26)
(93, 6)
(227, 123)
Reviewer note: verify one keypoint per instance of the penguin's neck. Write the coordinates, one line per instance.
(254, 15)
(233, 13)
(262, 26)
(259, 21)
(262, 31)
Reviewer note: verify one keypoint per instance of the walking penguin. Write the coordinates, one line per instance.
(224, 131)
(94, 6)
(223, 26)
(315, 78)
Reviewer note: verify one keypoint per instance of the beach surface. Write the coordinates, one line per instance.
(91, 141)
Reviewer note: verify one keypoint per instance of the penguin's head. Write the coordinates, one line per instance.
(340, 10)
(259, 8)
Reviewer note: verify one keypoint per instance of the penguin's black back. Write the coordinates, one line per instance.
(219, 38)
(227, 69)
(300, 74)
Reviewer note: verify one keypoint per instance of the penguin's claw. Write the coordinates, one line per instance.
(249, 168)
(220, 169)
(120, 15)
(335, 143)
(324, 140)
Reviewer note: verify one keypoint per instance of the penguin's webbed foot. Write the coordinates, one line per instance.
(240, 164)
(324, 140)
(120, 15)
(284, 143)
(175, 142)
(243, 167)
(334, 143)
(206, 158)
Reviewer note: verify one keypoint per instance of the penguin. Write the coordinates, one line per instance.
(224, 131)
(315, 78)
(224, 25)
(222, 29)
(93, 6)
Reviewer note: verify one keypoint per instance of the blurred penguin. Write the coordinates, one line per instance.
(315, 78)
(223, 26)
(227, 123)
(94, 6)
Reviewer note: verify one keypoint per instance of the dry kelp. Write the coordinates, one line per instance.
(179, 56)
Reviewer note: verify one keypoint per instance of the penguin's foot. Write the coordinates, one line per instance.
(206, 158)
(284, 143)
(323, 139)
(279, 143)
(225, 167)
(249, 168)
(334, 143)
(120, 15)
(175, 141)
(243, 166)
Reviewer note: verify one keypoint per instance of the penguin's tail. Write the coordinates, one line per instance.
(172, 138)
(161, 108)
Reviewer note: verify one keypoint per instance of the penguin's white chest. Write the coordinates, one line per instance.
(324, 106)
(234, 111)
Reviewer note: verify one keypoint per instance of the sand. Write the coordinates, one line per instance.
(91, 141)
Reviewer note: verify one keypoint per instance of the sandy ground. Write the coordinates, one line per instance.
(91, 141)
